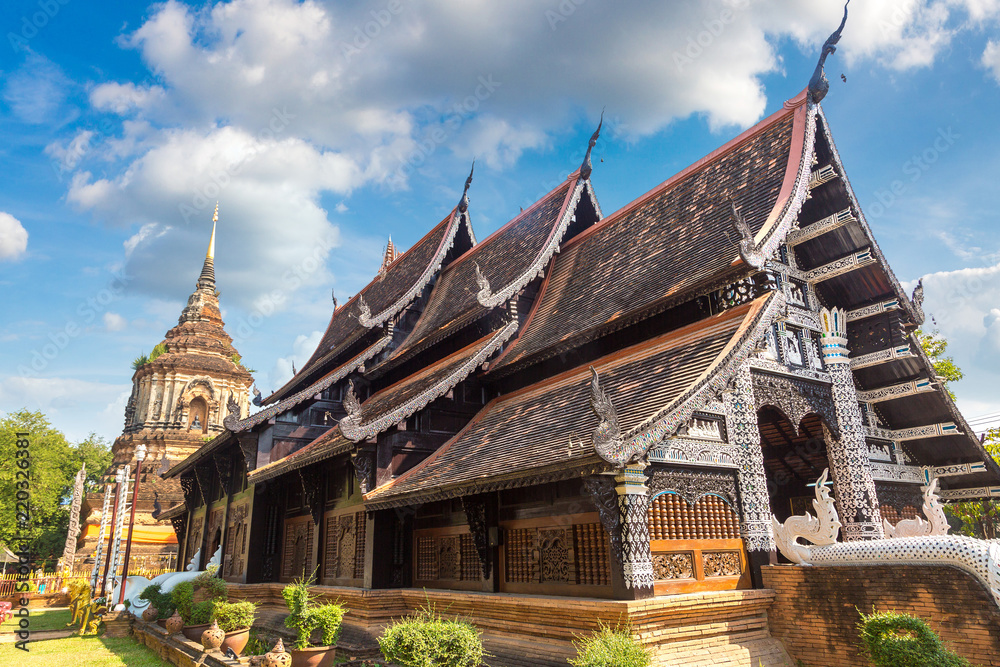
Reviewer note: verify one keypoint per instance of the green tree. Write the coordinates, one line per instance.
(980, 518)
(935, 345)
(54, 463)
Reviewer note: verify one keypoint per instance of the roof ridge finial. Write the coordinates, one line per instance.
(587, 168)
(463, 204)
(388, 257)
(818, 84)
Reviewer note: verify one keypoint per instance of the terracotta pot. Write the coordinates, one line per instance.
(236, 640)
(213, 637)
(277, 657)
(193, 632)
(174, 624)
(317, 656)
(150, 613)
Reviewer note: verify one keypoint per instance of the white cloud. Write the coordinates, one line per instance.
(270, 105)
(991, 59)
(302, 349)
(13, 237)
(114, 321)
(124, 97)
(69, 156)
(74, 406)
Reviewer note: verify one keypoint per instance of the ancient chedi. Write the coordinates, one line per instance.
(180, 394)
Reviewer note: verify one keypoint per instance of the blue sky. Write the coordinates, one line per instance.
(321, 128)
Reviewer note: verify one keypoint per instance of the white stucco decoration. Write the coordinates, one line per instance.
(819, 529)
(937, 524)
(135, 585)
(980, 558)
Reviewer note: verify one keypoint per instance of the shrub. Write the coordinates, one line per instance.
(610, 648)
(305, 616)
(183, 599)
(234, 616)
(203, 612)
(160, 600)
(892, 639)
(215, 588)
(427, 640)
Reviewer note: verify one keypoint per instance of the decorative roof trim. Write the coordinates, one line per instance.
(455, 220)
(197, 455)
(713, 381)
(515, 480)
(493, 299)
(293, 462)
(795, 188)
(433, 267)
(354, 430)
(177, 510)
(324, 383)
(915, 314)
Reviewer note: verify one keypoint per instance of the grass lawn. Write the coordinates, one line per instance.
(54, 618)
(80, 652)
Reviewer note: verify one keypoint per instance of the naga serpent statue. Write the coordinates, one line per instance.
(980, 558)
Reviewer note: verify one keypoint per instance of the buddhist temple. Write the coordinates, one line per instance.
(544, 412)
(178, 396)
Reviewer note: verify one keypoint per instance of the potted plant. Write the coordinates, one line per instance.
(159, 602)
(235, 619)
(196, 600)
(304, 617)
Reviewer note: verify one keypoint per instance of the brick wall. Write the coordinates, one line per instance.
(815, 609)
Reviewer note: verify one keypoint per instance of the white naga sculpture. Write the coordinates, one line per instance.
(938, 524)
(135, 585)
(980, 558)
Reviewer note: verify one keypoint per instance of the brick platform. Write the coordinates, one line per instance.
(719, 628)
(815, 609)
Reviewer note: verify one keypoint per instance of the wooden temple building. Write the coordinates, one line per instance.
(177, 404)
(548, 412)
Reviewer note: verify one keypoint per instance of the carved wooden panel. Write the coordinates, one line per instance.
(670, 517)
(194, 541)
(578, 554)
(446, 556)
(235, 560)
(592, 565)
(296, 555)
(344, 553)
(685, 566)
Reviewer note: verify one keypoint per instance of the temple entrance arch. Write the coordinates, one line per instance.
(794, 457)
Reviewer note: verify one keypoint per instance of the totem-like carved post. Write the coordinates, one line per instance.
(755, 504)
(856, 498)
(633, 506)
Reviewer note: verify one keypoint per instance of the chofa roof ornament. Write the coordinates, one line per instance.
(587, 168)
(818, 84)
(463, 204)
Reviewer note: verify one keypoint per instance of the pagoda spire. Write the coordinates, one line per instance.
(207, 278)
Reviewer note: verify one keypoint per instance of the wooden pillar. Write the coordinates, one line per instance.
(854, 484)
(379, 526)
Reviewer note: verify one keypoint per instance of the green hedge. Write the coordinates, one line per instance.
(892, 639)
(427, 640)
(610, 648)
